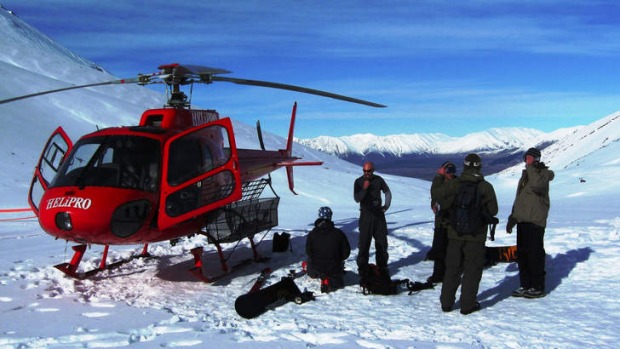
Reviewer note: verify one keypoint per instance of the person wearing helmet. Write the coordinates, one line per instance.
(465, 253)
(437, 253)
(529, 213)
(327, 248)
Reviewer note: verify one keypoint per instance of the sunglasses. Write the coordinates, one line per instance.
(369, 171)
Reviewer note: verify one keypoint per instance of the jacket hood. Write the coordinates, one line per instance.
(472, 174)
(323, 223)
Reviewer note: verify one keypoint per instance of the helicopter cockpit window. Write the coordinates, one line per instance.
(197, 153)
(113, 161)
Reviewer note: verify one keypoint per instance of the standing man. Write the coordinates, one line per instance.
(437, 253)
(367, 192)
(529, 213)
(471, 202)
(327, 248)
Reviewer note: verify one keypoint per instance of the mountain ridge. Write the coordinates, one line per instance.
(495, 139)
(418, 155)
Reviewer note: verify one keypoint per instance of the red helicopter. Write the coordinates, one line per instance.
(178, 173)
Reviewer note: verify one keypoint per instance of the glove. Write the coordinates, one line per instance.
(511, 223)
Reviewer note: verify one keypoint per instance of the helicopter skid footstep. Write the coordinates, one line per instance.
(198, 272)
(70, 269)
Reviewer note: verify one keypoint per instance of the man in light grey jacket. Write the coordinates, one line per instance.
(529, 213)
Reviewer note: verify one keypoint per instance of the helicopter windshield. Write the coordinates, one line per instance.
(112, 161)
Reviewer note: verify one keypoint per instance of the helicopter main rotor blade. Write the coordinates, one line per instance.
(114, 82)
(296, 88)
(176, 74)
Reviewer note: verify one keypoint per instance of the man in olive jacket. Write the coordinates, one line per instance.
(437, 253)
(529, 213)
(465, 252)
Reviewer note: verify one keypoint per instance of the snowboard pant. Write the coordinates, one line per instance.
(531, 255)
(464, 263)
(372, 226)
(437, 252)
(336, 278)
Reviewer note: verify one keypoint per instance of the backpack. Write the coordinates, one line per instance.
(281, 242)
(378, 281)
(466, 216)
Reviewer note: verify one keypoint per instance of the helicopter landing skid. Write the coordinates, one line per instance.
(71, 268)
(197, 270)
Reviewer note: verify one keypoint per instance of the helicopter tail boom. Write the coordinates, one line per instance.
(257, 163)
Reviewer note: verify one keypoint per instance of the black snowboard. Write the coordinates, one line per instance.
(251, 305)
(497, 254)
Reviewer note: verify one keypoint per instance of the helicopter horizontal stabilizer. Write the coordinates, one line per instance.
(305, 163)
(289, 171)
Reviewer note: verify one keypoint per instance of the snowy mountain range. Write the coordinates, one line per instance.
(493, 140)
(418, 155)
(154, 303)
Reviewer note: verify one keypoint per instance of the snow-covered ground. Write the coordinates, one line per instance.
(155, 302)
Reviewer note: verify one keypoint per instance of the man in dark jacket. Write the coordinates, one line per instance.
(529, 213)
(327, 248)
(437, 253)
(465, 252)
(367, 192)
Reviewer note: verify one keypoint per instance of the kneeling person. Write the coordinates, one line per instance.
(327, 248)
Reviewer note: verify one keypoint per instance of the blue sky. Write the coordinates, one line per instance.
(450, 67)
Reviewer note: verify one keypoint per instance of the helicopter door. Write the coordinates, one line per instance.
(200, 173)
(56, 150)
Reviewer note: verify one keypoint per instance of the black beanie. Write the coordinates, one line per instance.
(450, 167)
(473, 160)
(534, 152)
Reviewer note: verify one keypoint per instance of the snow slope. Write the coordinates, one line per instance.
(151, 303)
